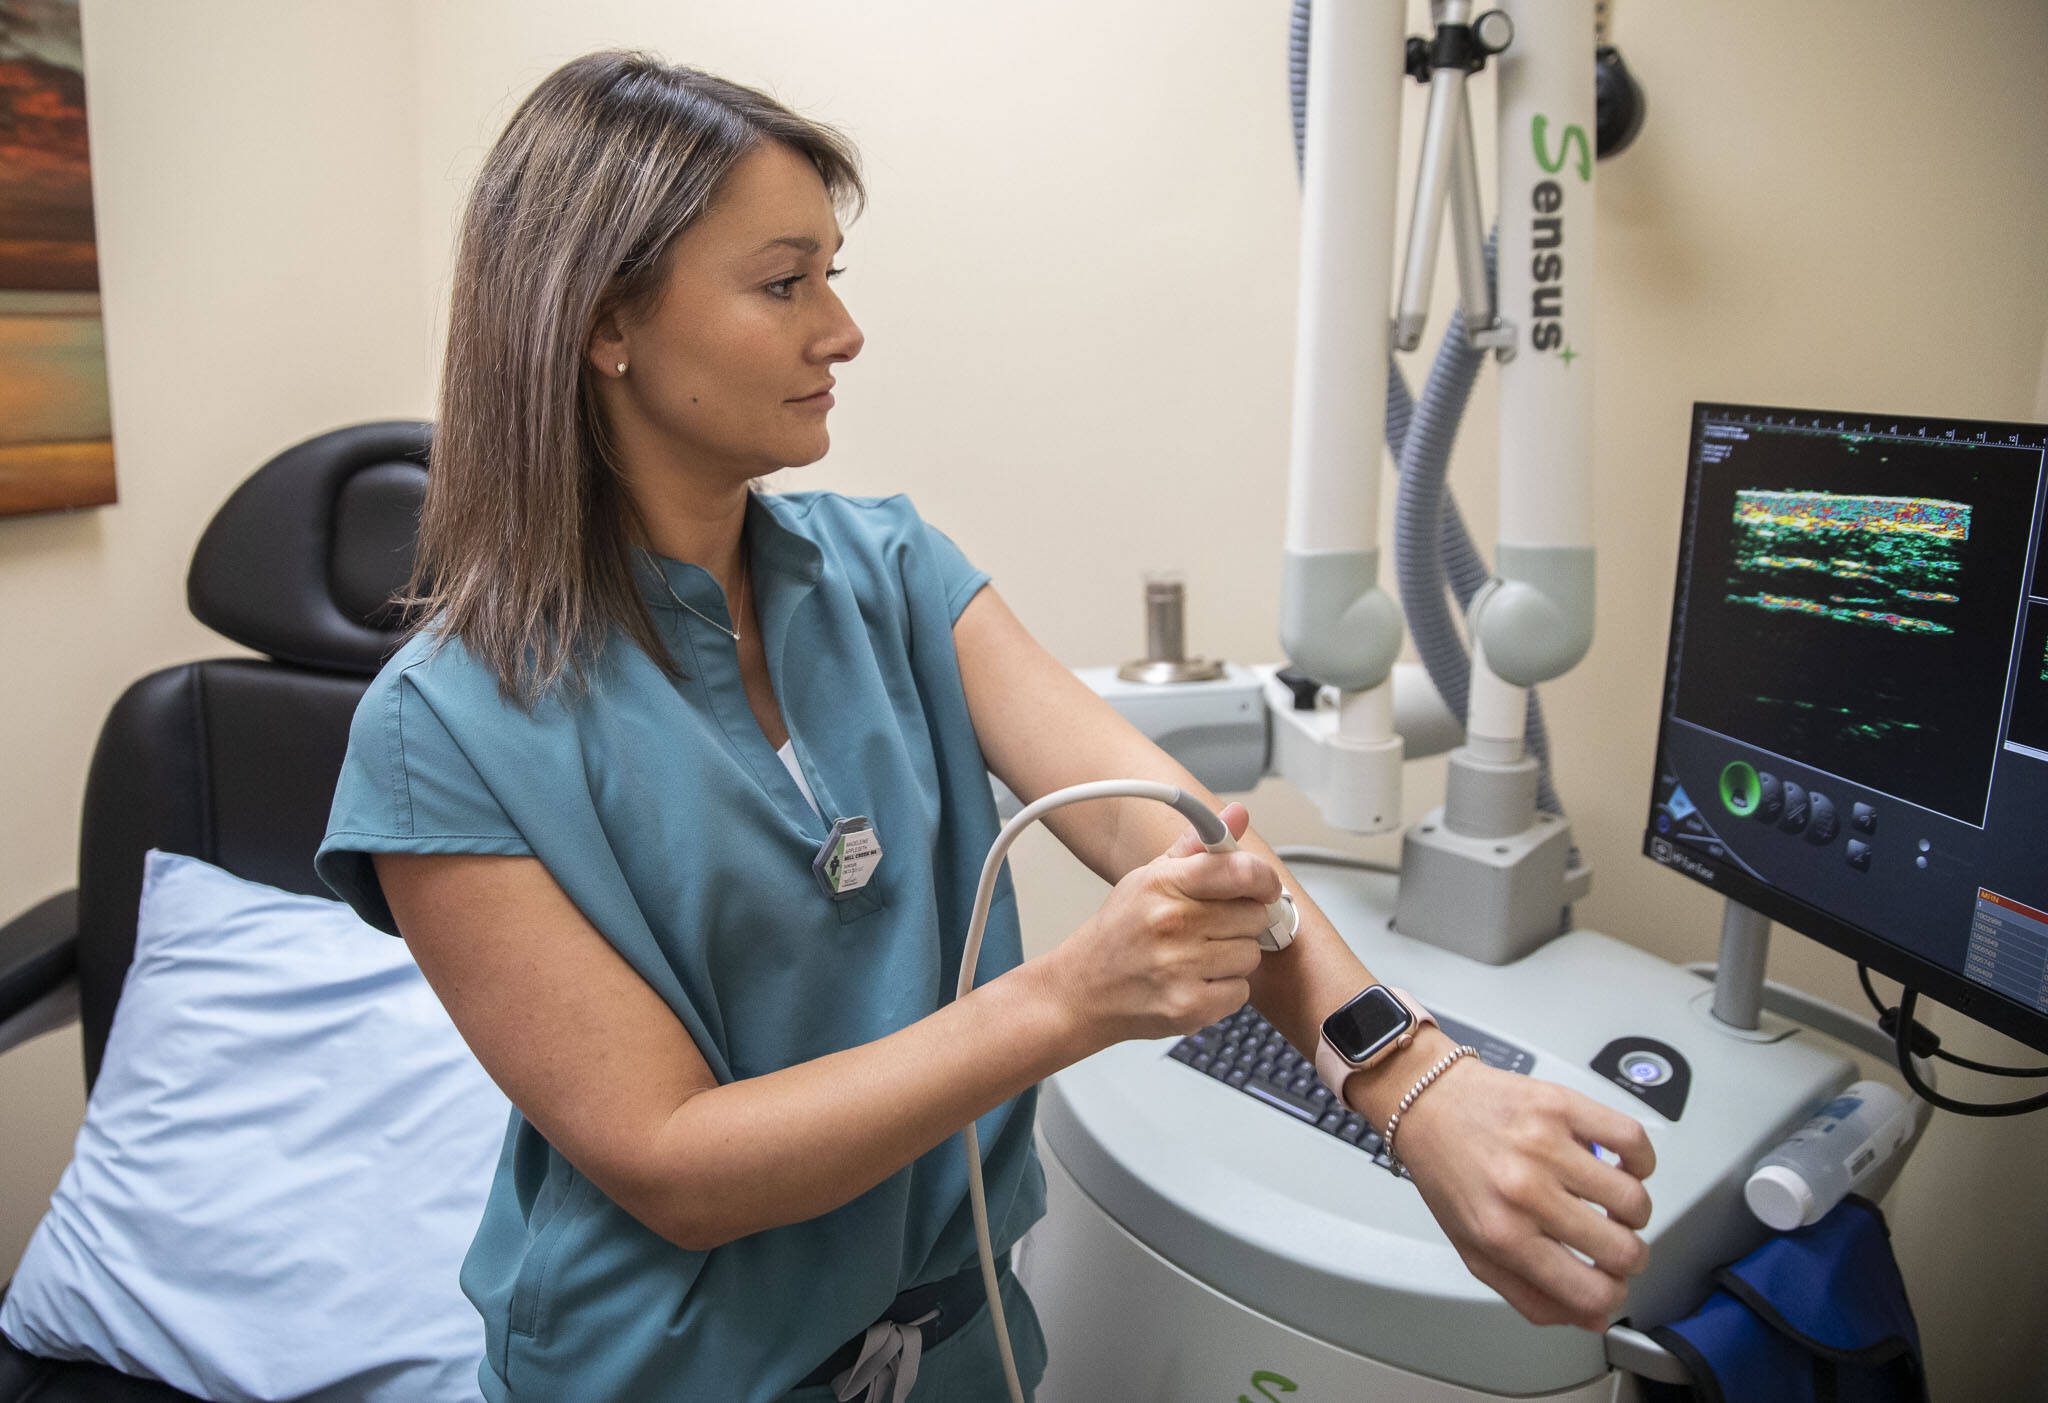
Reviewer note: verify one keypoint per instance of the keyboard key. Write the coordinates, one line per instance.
(1330, 1121)
(1201, 1061)
(1293, 1105)
(1237, 1078)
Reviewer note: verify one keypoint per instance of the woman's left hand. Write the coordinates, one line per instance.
(1506, 1165)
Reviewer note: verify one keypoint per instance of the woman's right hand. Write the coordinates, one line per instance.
(1173, 945)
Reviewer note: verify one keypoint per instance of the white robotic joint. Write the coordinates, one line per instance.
(1536, 621)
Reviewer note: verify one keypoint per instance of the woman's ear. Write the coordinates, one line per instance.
(606, 350)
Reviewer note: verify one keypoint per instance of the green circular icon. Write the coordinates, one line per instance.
(1740, 789)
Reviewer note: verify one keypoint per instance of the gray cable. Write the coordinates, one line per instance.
(1215, 836)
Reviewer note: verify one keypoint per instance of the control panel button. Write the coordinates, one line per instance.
(1863, 818)
(1645, 1068)
(1739, 788)
(1793, 820)
(1859, 855)
(1822, 823)
(1770, 797)
(1652, 1071)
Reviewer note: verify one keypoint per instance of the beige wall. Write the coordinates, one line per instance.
(1077, 282)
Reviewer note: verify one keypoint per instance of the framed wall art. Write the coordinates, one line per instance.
(56, 439)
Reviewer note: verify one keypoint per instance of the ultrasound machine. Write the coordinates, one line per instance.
(1854, 744)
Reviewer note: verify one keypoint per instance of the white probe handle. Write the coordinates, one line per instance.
(1283, 918)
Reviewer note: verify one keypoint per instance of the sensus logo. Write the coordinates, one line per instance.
(1546, 232)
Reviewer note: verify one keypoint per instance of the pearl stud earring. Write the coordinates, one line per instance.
(622, 367)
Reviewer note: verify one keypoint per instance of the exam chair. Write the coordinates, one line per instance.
(231, 760)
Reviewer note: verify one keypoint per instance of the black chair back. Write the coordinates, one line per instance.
(234, 760)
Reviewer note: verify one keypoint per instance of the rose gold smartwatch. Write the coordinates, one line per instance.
(1379, 1022)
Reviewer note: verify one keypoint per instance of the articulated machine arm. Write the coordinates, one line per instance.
(1488, 875)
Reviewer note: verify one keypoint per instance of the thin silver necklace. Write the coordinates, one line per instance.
(732, 633)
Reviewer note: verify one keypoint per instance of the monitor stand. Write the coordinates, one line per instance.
(1739, 977)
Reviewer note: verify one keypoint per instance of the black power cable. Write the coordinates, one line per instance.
(1911, 1039)
(1926, 1044)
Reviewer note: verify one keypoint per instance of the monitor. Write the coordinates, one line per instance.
(1854, 738)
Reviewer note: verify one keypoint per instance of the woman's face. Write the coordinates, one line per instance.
(723, 373)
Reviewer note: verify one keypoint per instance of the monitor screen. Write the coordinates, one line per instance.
(1855, 730)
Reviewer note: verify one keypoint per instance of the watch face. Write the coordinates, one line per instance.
(1367, 1024)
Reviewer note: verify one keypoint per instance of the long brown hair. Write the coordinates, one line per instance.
(527, 533)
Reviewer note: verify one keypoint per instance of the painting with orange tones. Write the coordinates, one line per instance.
(56, 439)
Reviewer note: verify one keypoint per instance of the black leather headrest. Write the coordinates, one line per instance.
(301, 561)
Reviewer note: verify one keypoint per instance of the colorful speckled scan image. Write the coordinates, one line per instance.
(1883, 562)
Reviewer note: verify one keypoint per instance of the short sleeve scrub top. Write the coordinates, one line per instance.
(662, 811)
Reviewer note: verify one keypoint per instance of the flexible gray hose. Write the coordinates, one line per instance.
(1430, 540)
(1466, 570)
(1297, 78)
(1420, 508)
(1400, 409)
(1431, 543)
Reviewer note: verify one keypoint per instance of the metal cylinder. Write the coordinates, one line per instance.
(1745, 950)
(1489, 799)
(1165, 615)
(1166, 659)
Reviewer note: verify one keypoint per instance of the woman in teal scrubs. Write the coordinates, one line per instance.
(607, 793)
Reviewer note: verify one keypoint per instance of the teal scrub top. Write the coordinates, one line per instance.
(665, 815)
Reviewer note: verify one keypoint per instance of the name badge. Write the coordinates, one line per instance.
(848, 859)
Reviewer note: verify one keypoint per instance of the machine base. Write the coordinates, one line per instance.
(1122, 1322)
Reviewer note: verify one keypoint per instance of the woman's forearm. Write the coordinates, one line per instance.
(791, 1145)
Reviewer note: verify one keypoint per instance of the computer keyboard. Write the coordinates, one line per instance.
(1245, 1051)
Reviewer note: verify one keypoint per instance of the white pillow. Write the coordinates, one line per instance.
(282, 1163)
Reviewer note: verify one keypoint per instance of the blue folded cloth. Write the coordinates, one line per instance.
(1819, 1313)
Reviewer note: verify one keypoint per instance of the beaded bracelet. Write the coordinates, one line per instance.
(1422, 1084)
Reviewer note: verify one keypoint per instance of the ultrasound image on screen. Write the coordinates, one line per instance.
(2029, 725)
(1852, 603)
